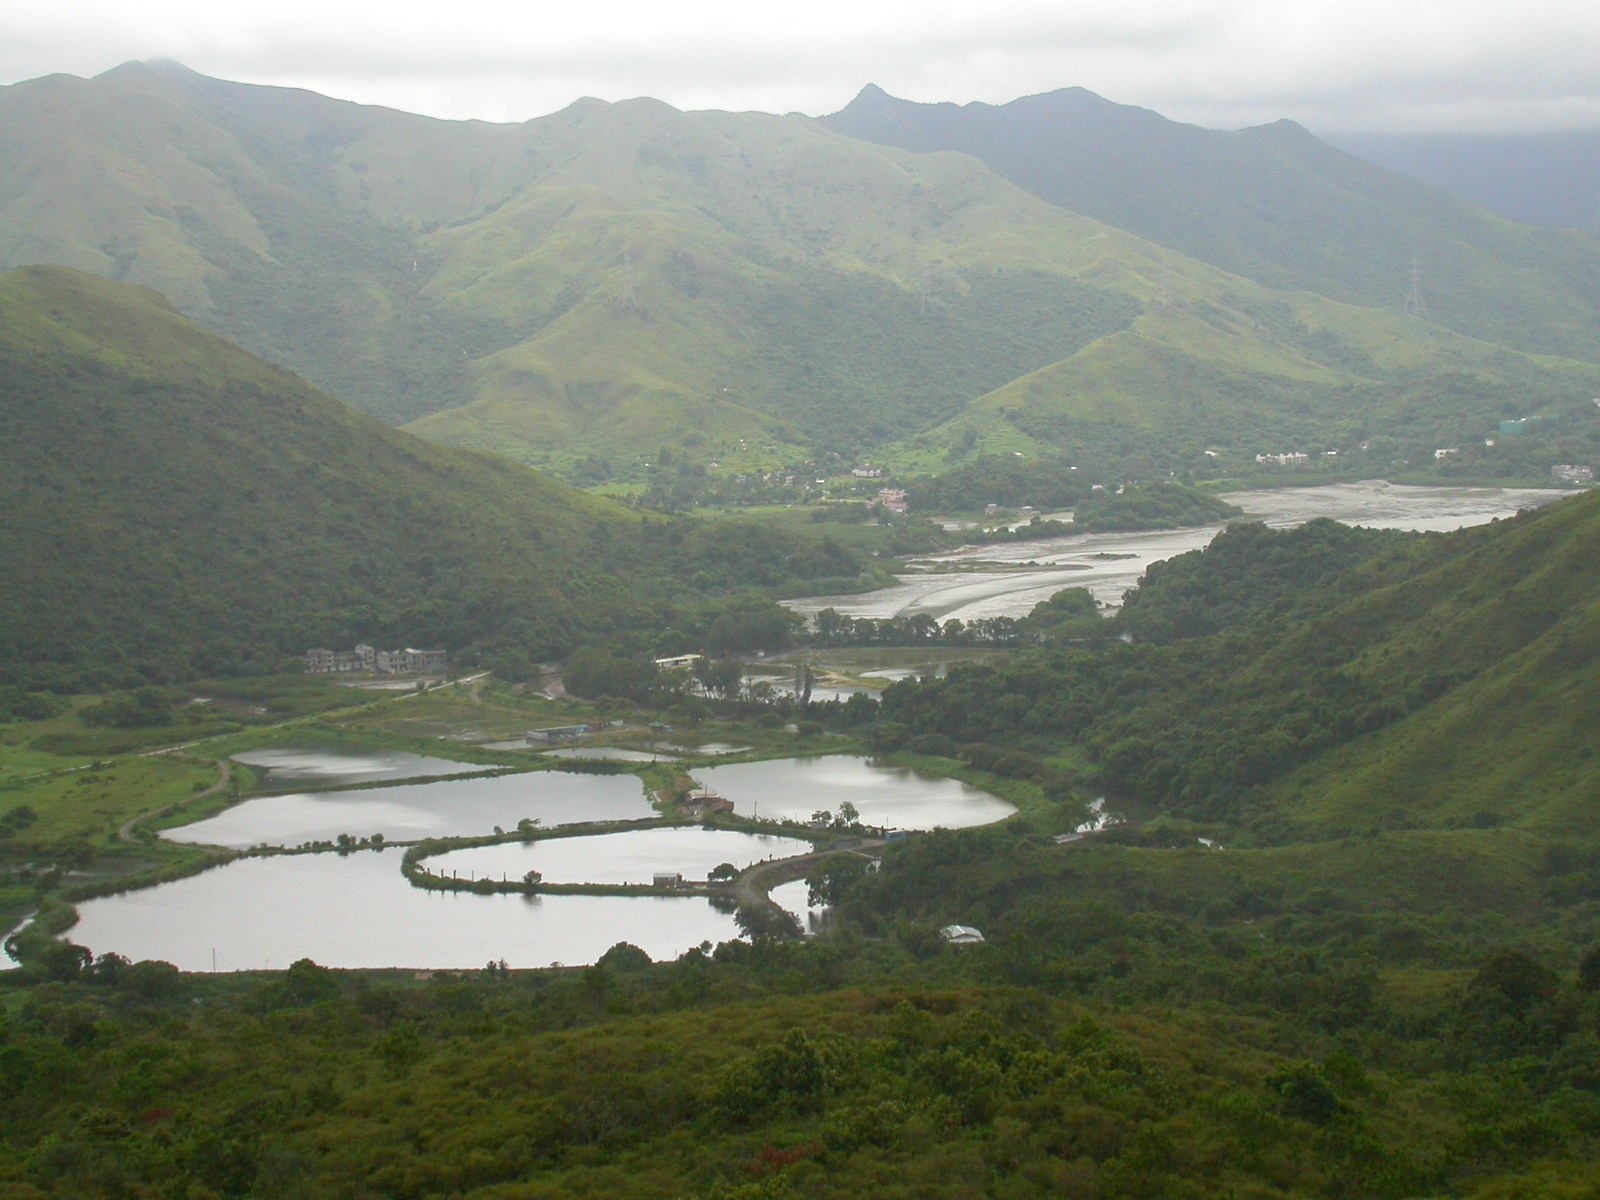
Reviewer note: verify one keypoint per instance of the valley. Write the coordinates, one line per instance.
(930, 652)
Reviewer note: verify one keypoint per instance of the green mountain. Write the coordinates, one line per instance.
(174, 505)
(1274, 204)
(1549, 178)
(613, 280)
(1327, 681)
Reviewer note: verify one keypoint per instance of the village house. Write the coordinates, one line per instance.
(409, 661)
(704, 801)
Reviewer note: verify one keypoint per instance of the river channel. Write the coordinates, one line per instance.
(993, 581)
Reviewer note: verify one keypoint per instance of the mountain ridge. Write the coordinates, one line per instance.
(614, 280)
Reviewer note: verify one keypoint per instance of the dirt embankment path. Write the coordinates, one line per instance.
(225, 769)
(751, 888)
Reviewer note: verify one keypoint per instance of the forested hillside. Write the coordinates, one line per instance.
(1327, 679)
(174, 505)
(591, 288)
(1277, 205)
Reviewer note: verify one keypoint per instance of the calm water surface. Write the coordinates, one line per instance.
(281, 766)
(631, 857)
(615, 753)
(793, 897)
(890, 797)
(358, 911)
(453, 807)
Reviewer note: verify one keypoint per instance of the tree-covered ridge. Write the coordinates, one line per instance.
(174, 505)
(1292, 645)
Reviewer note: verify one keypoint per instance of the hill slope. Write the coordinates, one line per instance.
(616, 279)
(1272, 203)
(172, 504)
(1539, 178)
(1343, 681)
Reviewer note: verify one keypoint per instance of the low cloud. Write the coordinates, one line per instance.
(1348, 66)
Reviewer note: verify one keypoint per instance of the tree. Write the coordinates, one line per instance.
(722, 873)
(828, 881)
(1589, 970)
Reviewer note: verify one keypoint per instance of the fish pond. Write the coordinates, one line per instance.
(289, 766)
(409, 811)
(357, 910)
(632, 856)
(887, 797)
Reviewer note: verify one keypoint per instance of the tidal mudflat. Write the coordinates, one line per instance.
(1017, 575)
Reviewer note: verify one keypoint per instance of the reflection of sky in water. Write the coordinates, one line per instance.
(418, 810)
(630, 857)
(792, 898)
(347, 766)
(615, 753)
(1073, 562)
(358, 911)
(889, 797)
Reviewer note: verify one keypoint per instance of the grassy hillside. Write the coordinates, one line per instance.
(1271, 203)
(1292, 372)
(616, 279)
(173, 504)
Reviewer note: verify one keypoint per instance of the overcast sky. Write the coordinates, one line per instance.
(1336, 65)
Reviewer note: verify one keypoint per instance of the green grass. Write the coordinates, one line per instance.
(92, 805)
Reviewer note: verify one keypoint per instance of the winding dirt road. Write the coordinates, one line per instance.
(223, 765)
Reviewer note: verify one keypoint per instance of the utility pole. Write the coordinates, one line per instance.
(1166, 282)
(1415, 304)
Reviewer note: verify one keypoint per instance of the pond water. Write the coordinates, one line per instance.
(358, 911)
(1108, 564)
(793, 897)
(886, 797)
(615, 753)
(630, 857)
(417, 810)
(287, 765)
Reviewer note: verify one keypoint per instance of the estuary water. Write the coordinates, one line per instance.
(358, 911)
(408, 811)
(992, 581)
(630, 857)
(886, 797)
